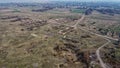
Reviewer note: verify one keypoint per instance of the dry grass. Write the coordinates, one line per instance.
(34, 48)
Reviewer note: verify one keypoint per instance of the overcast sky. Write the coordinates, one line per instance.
(50, 0)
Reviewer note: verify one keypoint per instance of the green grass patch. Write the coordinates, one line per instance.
(78, 10)
(16, 10)
(114, 28)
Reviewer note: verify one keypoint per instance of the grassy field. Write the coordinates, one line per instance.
(99, 23)
(78, 10)
(29, 40)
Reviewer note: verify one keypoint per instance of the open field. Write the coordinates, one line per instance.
(30, 39)
(59, 35)
(106, 25)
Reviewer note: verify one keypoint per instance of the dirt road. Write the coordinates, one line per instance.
(75, 26)
(103, 65)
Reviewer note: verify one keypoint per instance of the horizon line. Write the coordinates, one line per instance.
(61, 1)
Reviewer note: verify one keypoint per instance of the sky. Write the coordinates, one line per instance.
(5, 1)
